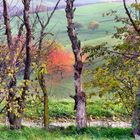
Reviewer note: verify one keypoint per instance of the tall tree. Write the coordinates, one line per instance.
(80, 97)
(12, 117)
(136, 112)
(16, 104)
(26, 18)
(41, 75)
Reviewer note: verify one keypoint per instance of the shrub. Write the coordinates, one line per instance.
(93, 25)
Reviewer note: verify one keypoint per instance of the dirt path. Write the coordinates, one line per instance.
(94, 123)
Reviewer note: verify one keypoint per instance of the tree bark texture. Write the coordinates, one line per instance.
(14, 121)
(26, 18)
(136, 115)
(80, 98)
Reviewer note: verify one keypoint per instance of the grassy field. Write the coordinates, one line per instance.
(83, 15)
(70, 133)
(64, 110)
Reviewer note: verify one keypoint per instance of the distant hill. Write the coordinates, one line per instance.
(15, 6)
(50, 3)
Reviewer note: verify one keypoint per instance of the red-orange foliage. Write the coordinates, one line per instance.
(54, 55)
(60, 60)
(57, 59)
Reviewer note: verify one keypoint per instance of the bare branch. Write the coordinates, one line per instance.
(130, 17)
(7, 24)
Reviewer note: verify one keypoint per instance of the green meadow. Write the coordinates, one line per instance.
(83, 15)
(71, 133)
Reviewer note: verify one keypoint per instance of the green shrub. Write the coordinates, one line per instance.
(93, 25)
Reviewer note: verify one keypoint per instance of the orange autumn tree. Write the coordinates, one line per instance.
(57, 59)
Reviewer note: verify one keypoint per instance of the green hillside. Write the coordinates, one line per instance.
(83, 15)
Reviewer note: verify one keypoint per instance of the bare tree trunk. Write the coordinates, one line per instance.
(136, 115)
(46, 100)
(41, 80)
(136, 111)
(41, 76)
(26, 18)
(80, 98)
(14, 121)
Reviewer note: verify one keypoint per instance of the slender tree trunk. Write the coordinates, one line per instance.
(14, 121)
(41, 76)
(80, 98)
(46, 100)
(26, 18)
(136, 114)
(41, 79)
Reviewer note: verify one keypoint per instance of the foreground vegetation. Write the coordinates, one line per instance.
(64, 110)
(96, 109)
(70, 133)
